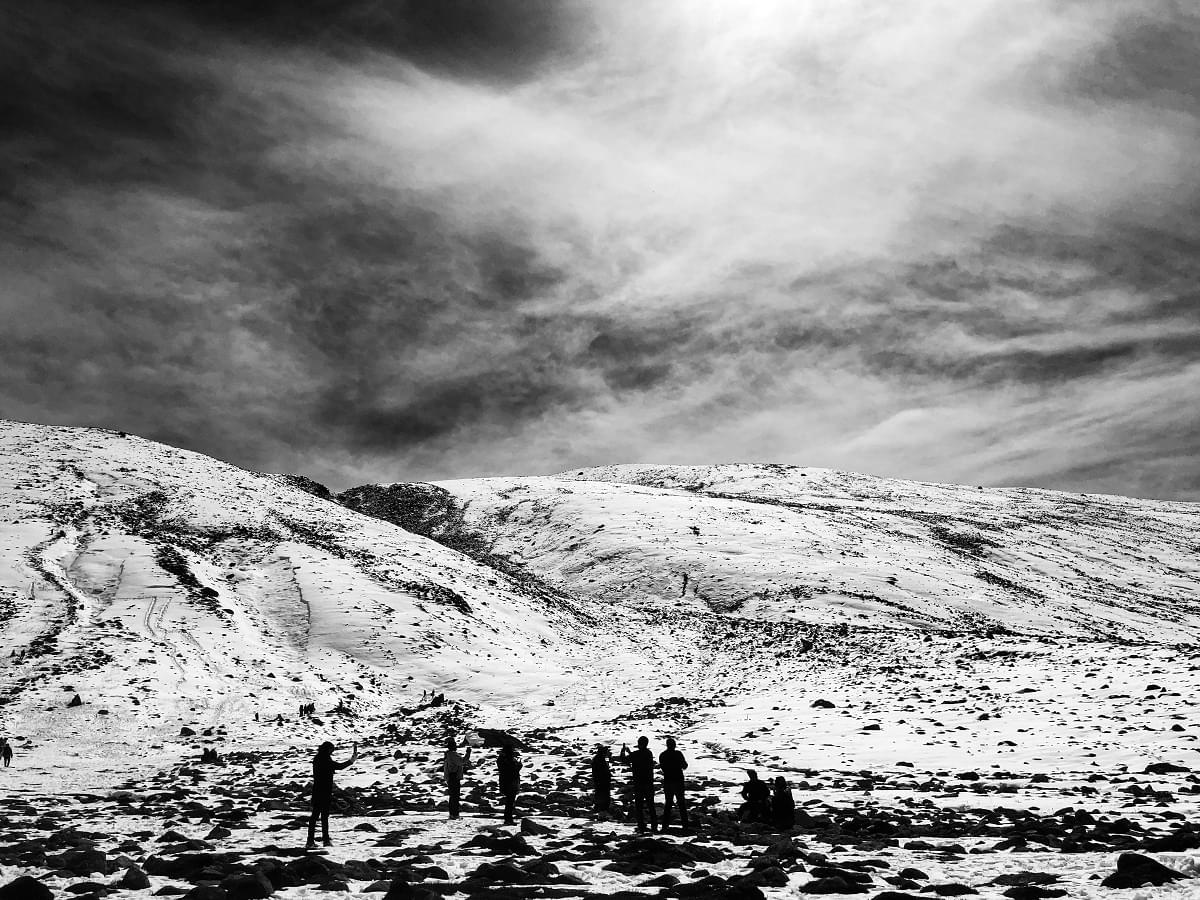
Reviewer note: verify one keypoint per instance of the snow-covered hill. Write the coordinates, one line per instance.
(925, 661)
(814, 545)
(171, 590)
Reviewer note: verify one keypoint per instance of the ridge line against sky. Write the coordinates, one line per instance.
(381, 241)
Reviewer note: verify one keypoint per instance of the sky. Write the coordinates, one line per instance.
(399, 240)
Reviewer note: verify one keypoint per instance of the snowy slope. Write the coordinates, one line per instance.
(1007, 676)
(169, 589)
(819, 546)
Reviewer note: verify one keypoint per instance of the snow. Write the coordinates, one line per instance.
(1044, 641)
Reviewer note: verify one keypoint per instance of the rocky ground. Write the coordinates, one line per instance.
(1081, 822)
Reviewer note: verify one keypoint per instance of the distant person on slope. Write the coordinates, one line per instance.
(757, 796)
(601, 781)
(6, 752)
(453, 767)
(641, 766)
(508, 768)
(672, 763)
(322, 796)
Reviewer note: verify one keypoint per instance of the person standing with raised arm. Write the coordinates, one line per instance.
(641, 767)
(322, 795)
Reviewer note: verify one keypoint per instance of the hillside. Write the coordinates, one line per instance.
(931, 667)
(819, 546)
(171, 590)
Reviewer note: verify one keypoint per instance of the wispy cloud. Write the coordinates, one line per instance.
(925, 239)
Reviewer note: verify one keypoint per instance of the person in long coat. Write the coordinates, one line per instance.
(322, 796)
(601, 781)
(508, 769)
(454, 766)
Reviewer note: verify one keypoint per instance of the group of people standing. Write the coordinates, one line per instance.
(508, 772)
(768, 803)
(641, 764)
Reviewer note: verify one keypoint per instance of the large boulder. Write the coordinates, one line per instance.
(1163, 768)
(505, 844)
(832, 884)
(248, 886)
(402, 890)
(529, 826)
(640, 856)
(25, 888)
(312, 869)
(494, 737)
(1033, 892)
(490, 873)
(1185, 837)
(87, 861)
(192, 866)
(134, 879)
(206, 892)
(1135, 871)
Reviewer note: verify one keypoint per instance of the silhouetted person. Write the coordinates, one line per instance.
(757, 795)
(672, 763)
(322, 796)
(641, 766)
(6, 752)
(453, 767)
(601, 781)
(783, 806)
(508, 768)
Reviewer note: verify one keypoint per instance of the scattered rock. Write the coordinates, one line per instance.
(25, 888)
(1163, 768)
(505, 844)
(252, 886)
(134, 879)
(1033, 892)
(529, 826)
(206, 892)
(1135, 870)
(951, 890)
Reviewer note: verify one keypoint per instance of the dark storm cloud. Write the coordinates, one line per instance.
(509, 40)
(1151, 59)
(419, 239)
